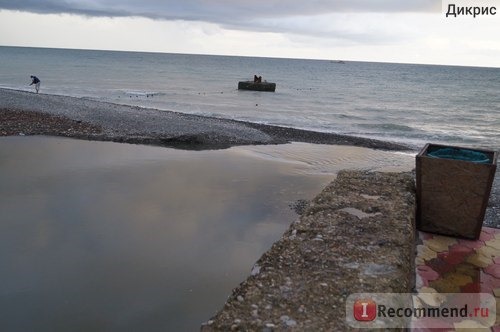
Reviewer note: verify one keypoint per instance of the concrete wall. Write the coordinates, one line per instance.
(356, 236)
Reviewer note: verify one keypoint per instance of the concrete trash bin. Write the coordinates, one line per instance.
(453, 188)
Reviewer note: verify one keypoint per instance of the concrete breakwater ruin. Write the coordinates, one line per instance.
(356, 236)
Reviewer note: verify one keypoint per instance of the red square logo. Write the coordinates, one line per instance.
(365, 310)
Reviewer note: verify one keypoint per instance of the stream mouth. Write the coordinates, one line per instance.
(105, 236)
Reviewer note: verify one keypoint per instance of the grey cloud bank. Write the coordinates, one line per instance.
(308, 18)
(217, 11)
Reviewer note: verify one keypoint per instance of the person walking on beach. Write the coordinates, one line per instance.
(36, 81)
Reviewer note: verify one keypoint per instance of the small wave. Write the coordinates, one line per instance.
(387, 126)
(17, 88)
(142, 94)
(350, 117)
(308, 158)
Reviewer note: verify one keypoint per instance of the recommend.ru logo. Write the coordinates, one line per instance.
(423, 310)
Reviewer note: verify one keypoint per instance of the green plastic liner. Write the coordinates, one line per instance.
(460, 154)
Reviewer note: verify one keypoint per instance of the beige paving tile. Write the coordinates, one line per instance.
(425, 252)
(440, 243)
(479, 260)
(470, 325)
(430, 296)
(488, 251)
(495, 243)
(419, 261)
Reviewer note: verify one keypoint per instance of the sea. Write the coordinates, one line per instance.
(408, 103)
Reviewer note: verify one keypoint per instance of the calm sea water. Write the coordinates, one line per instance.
(398, 102)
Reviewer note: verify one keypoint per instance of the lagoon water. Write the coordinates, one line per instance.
(408, 103)
(101, 236)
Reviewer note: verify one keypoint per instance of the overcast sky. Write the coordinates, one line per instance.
(413, 31)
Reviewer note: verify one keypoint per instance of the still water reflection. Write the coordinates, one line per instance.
(99, 236)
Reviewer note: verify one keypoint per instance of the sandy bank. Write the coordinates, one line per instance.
(121, 123)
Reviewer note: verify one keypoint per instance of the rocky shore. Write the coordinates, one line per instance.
(16, 122)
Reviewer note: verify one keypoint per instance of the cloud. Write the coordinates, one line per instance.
(216, 11)
(317, 18)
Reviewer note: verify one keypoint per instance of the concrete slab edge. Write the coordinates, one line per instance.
(357, 235)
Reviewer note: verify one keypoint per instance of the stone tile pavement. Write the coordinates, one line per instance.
(450, 265)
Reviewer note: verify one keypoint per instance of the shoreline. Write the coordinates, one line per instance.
(27, 113)
(103, 121)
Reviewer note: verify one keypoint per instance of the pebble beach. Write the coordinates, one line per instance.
(132, 124)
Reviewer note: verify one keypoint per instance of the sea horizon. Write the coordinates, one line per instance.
(252, 56)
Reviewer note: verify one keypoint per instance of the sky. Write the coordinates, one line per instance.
(408, 31)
